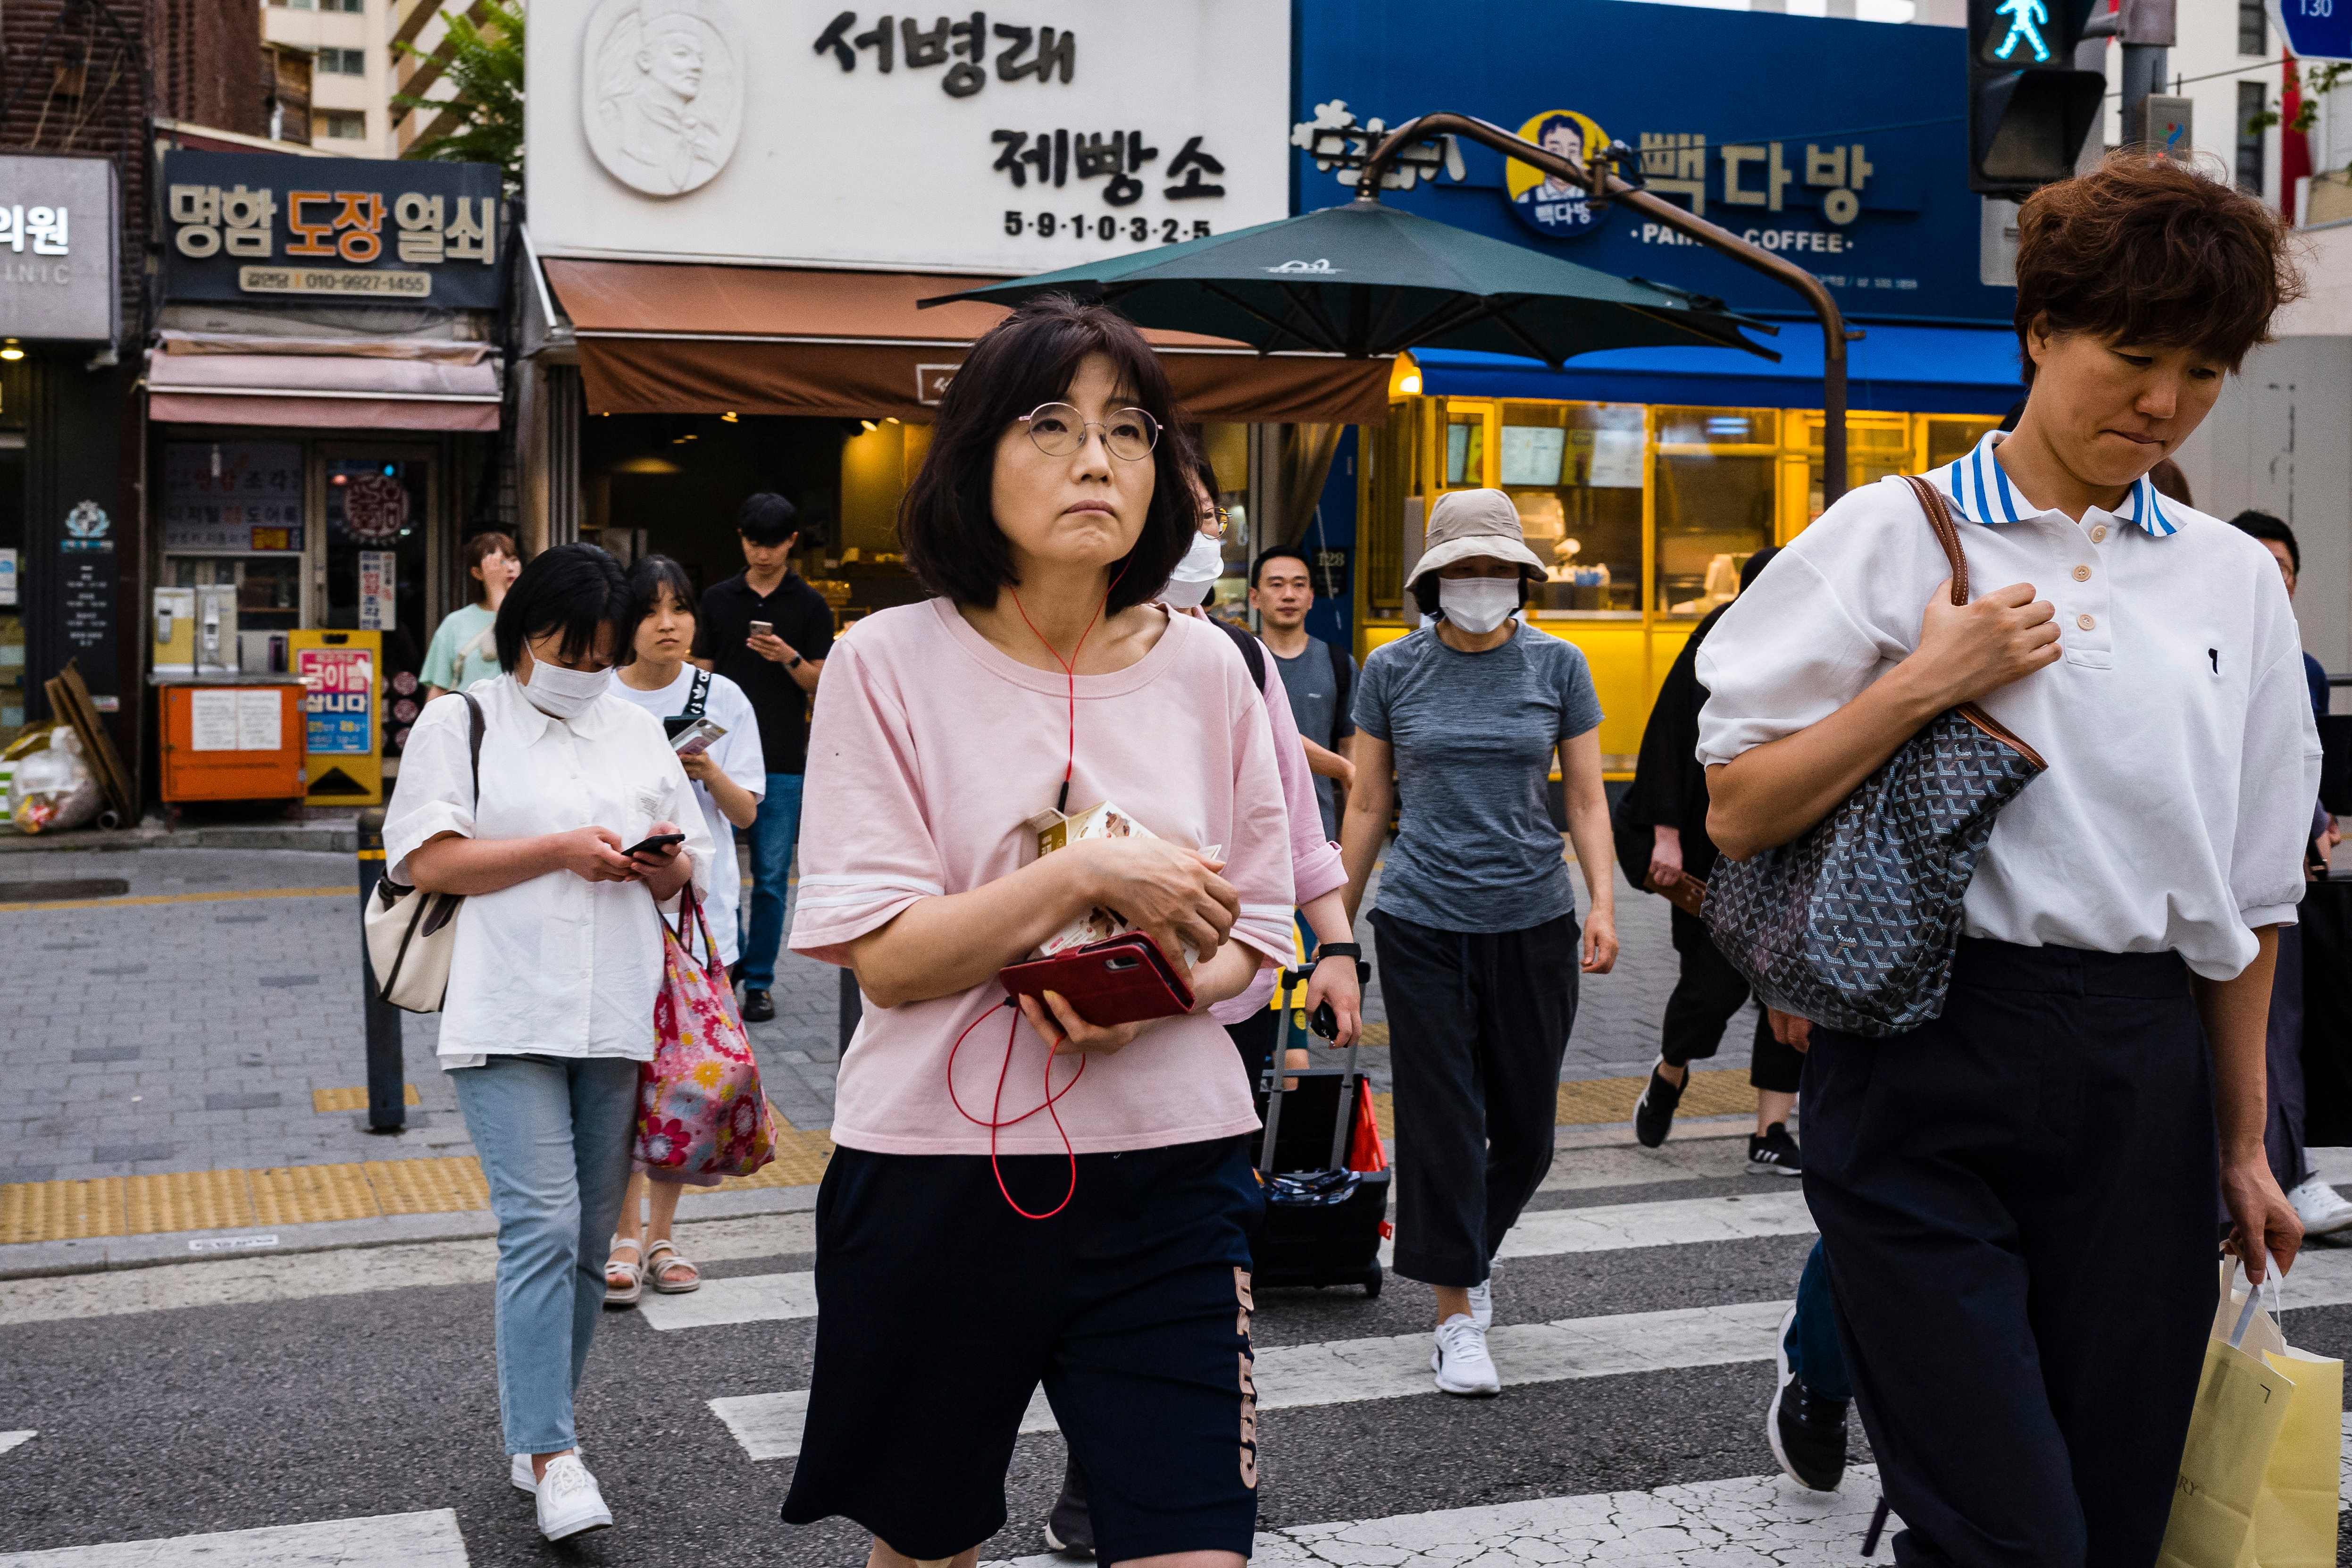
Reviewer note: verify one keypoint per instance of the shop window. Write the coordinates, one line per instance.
(1949, 440)
(1574, 471)
(1227, 447)
(12, 585)
(1875, 448)
(1715, 499)
(1395, 477)
(1462, 454)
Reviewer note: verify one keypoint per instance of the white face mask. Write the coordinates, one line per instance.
(1194, 575)
(1478, 605)
(561, 693)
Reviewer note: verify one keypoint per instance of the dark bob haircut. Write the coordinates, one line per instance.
(649, 576)
(2146, 250)
(767, 518)
(575, 589)
(945, 522)
(2262, 525)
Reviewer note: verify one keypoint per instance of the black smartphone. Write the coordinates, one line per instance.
(658, 841)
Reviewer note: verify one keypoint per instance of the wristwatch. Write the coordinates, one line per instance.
(797, 660)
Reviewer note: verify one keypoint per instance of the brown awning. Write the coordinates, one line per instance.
(687, 338)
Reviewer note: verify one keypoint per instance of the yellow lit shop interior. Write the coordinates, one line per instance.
(1644, 511)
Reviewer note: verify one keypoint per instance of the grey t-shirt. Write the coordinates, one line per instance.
(1315, 704)
(1473, 733)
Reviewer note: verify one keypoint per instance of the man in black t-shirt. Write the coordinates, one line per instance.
(769, 632)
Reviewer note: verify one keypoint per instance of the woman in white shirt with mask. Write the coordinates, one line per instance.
(557, 963)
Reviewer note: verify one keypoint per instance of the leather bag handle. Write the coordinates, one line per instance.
(1948, 533)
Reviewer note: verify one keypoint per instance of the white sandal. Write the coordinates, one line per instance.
(632, 1271)
(656, 1269)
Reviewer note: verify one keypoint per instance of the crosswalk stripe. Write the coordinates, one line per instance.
(1764, 1519)
(1342, 1372)
(12, 1439)
(1546, 1232)
(428, 1539)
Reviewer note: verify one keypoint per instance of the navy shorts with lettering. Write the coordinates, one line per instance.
(939, 1312)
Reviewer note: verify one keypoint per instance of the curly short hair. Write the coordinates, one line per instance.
(2146, 250)
(945, 522)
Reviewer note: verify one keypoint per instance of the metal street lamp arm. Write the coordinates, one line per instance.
(1713, 237)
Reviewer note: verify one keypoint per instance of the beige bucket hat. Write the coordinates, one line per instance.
(1465, 523)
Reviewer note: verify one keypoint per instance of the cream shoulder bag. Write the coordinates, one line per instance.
(411, 934)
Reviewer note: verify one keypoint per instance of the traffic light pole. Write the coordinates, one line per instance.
(1606, 185)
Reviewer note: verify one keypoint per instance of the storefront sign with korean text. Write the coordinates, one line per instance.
(242, 497)
(989, 140)
(263, 226)
(56, 247)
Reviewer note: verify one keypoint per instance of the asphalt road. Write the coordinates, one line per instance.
(276, 1404)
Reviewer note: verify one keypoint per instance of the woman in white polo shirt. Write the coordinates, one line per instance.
(2017, 1198)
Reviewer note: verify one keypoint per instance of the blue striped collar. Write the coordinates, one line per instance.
(1980, 491)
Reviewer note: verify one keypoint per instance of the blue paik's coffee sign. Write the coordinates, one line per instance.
(1806, 136)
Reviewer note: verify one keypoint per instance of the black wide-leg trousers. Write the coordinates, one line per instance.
(2017, 1202)
(1478, 1025)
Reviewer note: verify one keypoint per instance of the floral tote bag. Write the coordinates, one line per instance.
(701, 1114)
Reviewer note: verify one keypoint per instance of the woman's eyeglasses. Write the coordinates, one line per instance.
(1059, 430)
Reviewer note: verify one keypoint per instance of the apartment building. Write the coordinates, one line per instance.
(360, 64)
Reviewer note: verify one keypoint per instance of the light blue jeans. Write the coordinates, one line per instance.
(774, 834)
(554, 1137)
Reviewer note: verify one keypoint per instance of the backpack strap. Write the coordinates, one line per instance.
(474, 743)
(697, 695)
(1343, 681)
(1253, 655)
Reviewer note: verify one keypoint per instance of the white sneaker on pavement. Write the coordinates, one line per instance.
(519, 1472)
(1482, 1302)
(2321, 1207)
(569, 1501)
(1461, 1361)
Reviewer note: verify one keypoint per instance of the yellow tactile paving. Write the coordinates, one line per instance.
(325, 1100)
(296, 1195)
(303, 1195)
(444, 1186)
(349, 891)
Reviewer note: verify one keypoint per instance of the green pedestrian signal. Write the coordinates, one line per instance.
(2022, 43)
(2030, 108)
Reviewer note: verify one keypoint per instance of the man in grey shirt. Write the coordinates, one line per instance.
(1318, 676)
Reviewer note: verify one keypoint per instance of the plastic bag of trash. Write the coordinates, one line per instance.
(54, 787)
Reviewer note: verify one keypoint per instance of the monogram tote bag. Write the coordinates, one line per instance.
(1853, 922)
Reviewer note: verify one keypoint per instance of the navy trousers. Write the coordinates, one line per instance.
(2016, 1202)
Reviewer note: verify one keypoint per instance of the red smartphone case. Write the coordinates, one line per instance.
(1124, 979)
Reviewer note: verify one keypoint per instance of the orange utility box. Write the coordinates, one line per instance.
(233, 739)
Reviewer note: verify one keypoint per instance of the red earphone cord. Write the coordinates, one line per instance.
(1062, 804)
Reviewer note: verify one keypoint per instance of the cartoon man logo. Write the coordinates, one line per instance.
(1553, 207)
(662, 105)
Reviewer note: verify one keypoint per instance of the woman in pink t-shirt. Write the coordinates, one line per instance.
(1051, 506)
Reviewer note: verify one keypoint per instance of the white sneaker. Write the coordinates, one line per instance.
(1461, 1361)
(519, 1472)
(569, 1502)
(2321, 1207)
(1482, 1303)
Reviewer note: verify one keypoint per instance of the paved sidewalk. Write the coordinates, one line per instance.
(207, 1019)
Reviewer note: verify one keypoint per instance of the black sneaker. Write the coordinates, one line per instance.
(1653, 1113)
(758, 1007)
(1807, 1432)
(1069, 1529)
(1775, 1153)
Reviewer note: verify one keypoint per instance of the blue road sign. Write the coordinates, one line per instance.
(2315, 29)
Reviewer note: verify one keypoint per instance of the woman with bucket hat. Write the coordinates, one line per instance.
(1480, 946)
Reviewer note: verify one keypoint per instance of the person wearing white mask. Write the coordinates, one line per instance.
(533, 818)
(1475, 925)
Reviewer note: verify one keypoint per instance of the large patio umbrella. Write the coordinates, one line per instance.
(1365, 278)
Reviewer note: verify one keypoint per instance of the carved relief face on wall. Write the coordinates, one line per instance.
(662, 101)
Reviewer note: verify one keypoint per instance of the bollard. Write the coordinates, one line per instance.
(387, 1081)
(851, 1004)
